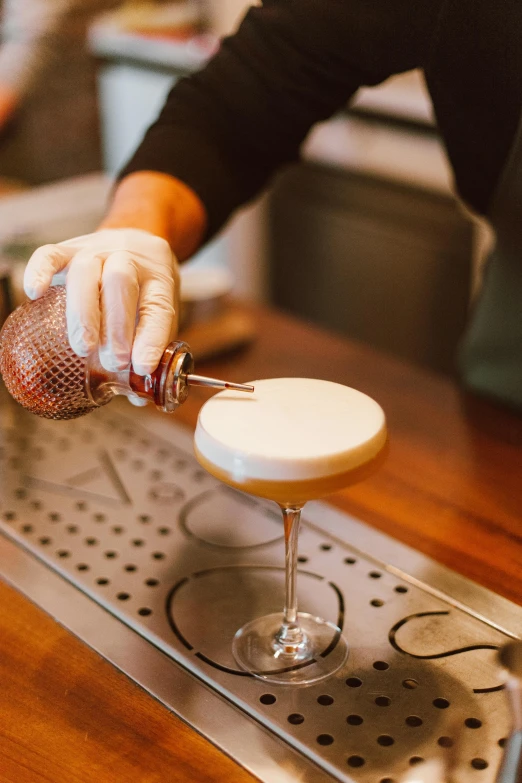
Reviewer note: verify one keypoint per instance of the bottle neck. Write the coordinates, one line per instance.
(166, 387)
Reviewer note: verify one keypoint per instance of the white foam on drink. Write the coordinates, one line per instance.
(290, 429)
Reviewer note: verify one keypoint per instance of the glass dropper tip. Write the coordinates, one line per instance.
(215, 383)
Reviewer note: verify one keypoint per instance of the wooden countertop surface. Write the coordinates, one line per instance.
(451, 488)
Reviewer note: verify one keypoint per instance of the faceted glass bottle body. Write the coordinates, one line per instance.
(43, 374)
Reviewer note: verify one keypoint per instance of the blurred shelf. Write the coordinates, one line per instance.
(167, 52)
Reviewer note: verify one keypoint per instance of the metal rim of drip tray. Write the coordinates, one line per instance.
(109, 525)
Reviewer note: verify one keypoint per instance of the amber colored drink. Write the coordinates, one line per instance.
(292, 440)
(296, 493)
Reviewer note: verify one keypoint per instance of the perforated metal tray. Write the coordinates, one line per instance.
(116, 507)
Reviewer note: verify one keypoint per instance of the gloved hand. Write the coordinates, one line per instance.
(122, 294)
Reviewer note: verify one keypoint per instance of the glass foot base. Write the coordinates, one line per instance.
(319, 652)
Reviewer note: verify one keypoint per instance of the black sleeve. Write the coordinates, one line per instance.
(225, 130)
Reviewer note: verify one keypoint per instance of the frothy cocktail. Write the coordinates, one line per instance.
(292, 439)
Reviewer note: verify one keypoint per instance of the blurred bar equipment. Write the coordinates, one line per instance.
(510, 658)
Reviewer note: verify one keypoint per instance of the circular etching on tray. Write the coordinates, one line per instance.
(223, 518)
(166, 493)
(206, 609)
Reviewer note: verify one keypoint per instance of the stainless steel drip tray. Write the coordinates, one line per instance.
(110, 525)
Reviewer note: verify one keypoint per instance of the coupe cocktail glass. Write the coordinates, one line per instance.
(292, 440)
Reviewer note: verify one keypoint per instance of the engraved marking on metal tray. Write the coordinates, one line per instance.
(137, 525)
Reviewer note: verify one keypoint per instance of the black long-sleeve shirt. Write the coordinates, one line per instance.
(225, 130)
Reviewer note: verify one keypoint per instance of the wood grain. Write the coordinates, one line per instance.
(451, 487)
(68, 715)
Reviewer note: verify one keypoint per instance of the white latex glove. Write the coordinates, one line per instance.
(122, 294)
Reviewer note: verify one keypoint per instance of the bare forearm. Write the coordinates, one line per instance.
(162, 205)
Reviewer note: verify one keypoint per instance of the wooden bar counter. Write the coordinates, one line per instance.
(451, 488)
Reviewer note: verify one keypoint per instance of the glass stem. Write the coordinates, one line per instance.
(290, 633)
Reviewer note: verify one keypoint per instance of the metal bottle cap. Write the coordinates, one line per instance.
(178, 377)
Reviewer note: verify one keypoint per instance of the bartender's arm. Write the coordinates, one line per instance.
(221, 135)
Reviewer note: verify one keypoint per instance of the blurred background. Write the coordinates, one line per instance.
(364, 236)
